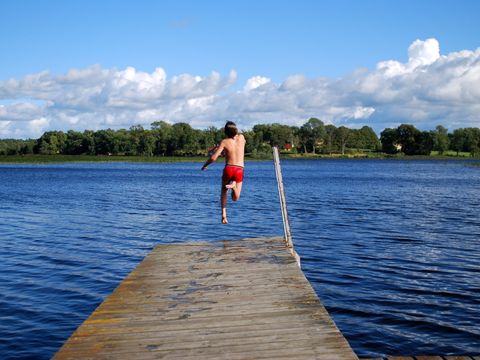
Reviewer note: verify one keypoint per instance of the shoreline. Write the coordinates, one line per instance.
(61, 159)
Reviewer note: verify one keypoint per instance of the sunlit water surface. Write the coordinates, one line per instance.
(392, 248)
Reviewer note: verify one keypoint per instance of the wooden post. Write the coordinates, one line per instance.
(283, 204)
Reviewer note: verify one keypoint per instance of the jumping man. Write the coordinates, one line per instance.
(234, 147)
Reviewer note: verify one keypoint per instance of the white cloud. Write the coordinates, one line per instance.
(255, 82)
(38, 126)
(420, 53)
(427, 90)
(423, 52)
(4, 127)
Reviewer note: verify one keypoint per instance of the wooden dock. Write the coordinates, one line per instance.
(243, 299)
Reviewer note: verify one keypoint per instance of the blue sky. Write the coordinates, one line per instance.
(270, 40)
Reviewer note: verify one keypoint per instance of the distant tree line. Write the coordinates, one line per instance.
(411, 141)
(180, 139)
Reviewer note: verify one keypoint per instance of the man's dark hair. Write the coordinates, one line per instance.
(231, 129)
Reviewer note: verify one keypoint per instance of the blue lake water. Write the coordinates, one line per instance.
(392, 248)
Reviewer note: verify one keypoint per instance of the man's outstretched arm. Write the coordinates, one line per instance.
(214, 156)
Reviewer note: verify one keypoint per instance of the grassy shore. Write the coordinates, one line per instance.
(58, 159)
(381, 156)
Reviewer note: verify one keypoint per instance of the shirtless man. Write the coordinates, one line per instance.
(232, 178)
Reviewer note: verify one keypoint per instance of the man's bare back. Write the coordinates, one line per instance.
(232, 178)
(234, 150)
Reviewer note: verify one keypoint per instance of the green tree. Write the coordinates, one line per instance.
(212, 136)
(329, 139)
(250, 146)
(457, 142)
(303, 134)
(74, 144)
(17, 147)
(263, 133)
(27, 147)
(162, 131)
(342, 135)
(105, 143)
(281, 135)
(136, 133)
(267, 135)
(142, 141)
(472, 141)
(124, 145)
(441, 141)
(183, 141)
(311, 134)
(424, 141)
(146, 146)
(410, 139)
(258, 138)
(368, 139)
(389, 140)
(51, 142)
(406, 135)
(89, 142)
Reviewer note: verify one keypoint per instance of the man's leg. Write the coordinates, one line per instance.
(236, 191)
(223, 202)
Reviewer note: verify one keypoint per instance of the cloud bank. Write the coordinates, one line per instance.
(428, 90)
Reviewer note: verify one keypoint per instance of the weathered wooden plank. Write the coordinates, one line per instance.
(221, 303)
(201, 312)
(220, 345)
(216, 337)
(428, 357)
(244, 299)
(226, 320)
(300, 353)
(172, 326)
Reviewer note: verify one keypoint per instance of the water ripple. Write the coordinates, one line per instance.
(390, 247)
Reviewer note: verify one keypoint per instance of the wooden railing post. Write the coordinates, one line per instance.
(283, 204)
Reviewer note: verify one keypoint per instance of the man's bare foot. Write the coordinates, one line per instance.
(224, 216)
(231, 185)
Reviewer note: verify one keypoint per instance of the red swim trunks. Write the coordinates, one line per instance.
(232, 173)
